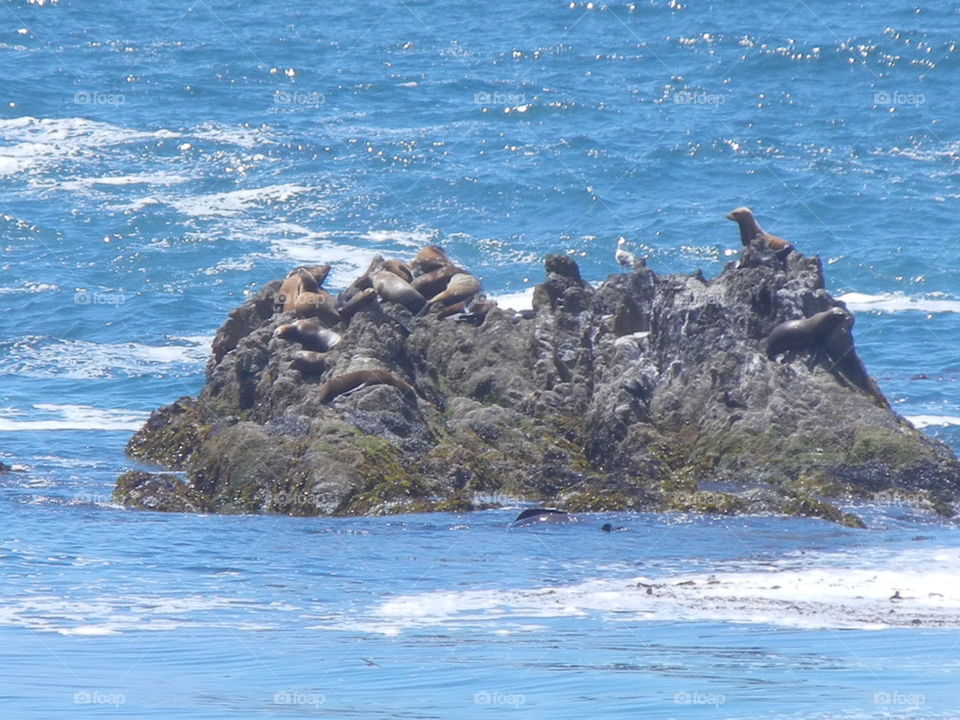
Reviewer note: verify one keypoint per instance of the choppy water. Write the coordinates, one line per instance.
(160, 161)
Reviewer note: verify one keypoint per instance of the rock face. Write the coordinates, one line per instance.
(649, 393)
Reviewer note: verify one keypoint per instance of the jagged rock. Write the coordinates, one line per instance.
(642, 393)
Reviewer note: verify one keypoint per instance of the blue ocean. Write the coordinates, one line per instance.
(160, 162)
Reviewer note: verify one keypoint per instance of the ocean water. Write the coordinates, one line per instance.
(161, 161)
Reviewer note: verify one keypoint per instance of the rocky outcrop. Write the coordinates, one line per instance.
(648, 392)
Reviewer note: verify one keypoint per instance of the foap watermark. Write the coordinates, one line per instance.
(499, 98)
(686, 697)
(298, 697)
(885, 97)
(685, 97)
(292, 499)
(485, 697)
(297, 98)
(911, 701)
(92, 97)
(98, 697)
(87, 297)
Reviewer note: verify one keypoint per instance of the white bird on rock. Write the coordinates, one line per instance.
(624, 257)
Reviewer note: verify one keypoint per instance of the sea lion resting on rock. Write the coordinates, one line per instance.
(462, 287)
(363, 378)
(806, 333)
(750, 230)
(302, 295)
(429, 258)
(435, 281)
(310, 334)
(310, 362)
(363, 300)
(395, 289)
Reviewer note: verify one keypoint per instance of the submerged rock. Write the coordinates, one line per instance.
(642, 393)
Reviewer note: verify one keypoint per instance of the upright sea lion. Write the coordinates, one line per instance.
(362, 282)
(429, 258)
(395, 289)
(298, 281)
(806, 333)
(750, 230)
(363, 300)
(363, 378)
(319, 272)
(435, 281)
(462, 286)
(310, 334)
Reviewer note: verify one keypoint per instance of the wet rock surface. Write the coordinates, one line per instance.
(649, 392)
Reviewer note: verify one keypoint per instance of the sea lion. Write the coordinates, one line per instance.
(361, 283)
(454, 309)
(298, 281)
(363, 300)
(750, 230)
(435, 281)
(321, 305)
(395, 289)
(462, 286)
(363, 378)
(398, 268)
(805, 333)
(537, 516)
(310, 334)
(310, 362)
(319, 272)
(475, 310)
(429, 258)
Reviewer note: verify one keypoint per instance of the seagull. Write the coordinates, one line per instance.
(624, 257)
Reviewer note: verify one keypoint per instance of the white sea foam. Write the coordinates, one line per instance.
(235, 202)
(81, 359)
(31, 141)
(899, 302)
(922, 421)
(72, 417)
(154, 178)
(832, 591)
(522, 300)
(113, 615)
(412, 239)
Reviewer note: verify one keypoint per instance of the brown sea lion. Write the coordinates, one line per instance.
(363, 378)
(361, 283)
(298, 281)
(319, 272)
(398, 268)
(750, 229)
(435, 281)
(429, 258)
(321, 305)
(309, 333)
(395, 289)
(363, 300)
(462, 286)
(806, 333)
(475, 310)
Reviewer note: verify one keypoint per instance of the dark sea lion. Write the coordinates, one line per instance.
(363, 378)
(454, 309)
(429, 258)
(310, 334)
(310, 362)
(536, 516)
(435, 281)
(750, 230)
(395, 289)
(363, 300)
(806, 333)
(475, 310)
(462, 286)
(361, 283)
